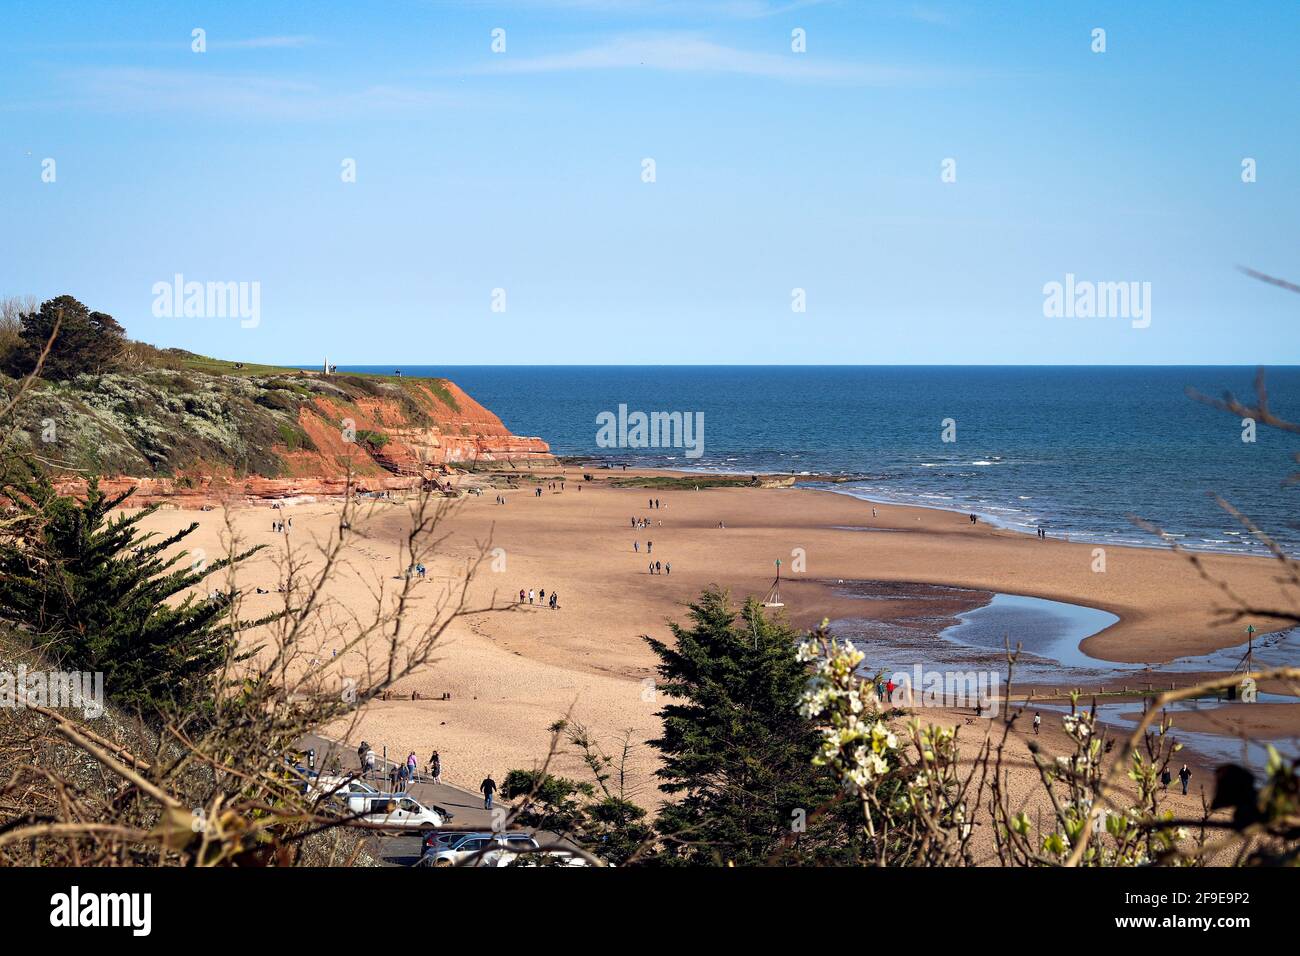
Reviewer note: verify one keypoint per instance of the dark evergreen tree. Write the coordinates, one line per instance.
(86, 341)
(550, 802)
(737, 752)
(93, 594)
(610, 826)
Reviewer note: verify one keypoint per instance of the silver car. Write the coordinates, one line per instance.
(476, 849)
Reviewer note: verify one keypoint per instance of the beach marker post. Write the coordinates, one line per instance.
(773, 598)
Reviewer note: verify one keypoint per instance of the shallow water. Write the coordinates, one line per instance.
(1218, 748)
(1049, 630)
(1050, 634)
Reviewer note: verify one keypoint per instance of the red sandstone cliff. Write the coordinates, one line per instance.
(380, 434)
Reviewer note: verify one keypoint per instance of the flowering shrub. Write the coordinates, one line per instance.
(919, 807)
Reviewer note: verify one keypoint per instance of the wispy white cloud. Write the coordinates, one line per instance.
(181, 43)
(264, 43)
(928, 14)
(244, 95)
(690, 53)
(739, 9)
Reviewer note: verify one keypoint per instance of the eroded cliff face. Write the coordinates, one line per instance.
(450, 429)
(189, 435)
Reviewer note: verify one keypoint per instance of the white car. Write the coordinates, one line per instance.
(395, 811)
(544, 858)
(338, 786)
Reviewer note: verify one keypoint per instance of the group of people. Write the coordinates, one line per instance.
(282, 525)
(402, 775)
(1184, 775)
(654, 567)
(540, 598)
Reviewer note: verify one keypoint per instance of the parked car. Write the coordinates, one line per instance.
(439, 838)
(396, 811)
(475, 848)
(339, 786)
(548, 857)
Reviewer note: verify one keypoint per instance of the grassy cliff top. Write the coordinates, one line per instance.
(168, 412)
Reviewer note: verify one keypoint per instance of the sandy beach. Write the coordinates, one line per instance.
(512, 671)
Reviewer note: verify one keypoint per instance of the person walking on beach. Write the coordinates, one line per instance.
(555, 600)
(652, 567)
(658, 567)
(636, 547)
(1165, 778)
(530, 595)
(435, 767)
(412, 765)
(1185, 775)
(521, 595)
(370, 760)
(668, 567)
(487, 788)
(649, 547)
(361, 754)
(1038, 722)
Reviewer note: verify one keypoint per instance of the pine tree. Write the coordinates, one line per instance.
(87, 342)
(736, 750)
(92, 592)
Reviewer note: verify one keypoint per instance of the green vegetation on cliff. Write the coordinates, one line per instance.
(108, 406)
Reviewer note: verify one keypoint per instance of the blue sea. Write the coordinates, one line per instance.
(1077, 449)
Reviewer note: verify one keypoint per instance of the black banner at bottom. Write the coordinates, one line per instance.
(139, 906)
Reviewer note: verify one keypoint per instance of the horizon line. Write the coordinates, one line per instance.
(394, 365)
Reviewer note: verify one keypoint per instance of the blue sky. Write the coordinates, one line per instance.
(775, 170)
